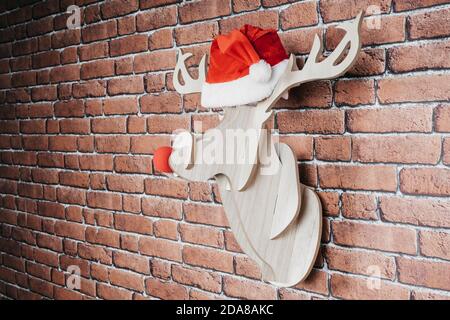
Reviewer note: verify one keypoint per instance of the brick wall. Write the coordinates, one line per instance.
(83, 110)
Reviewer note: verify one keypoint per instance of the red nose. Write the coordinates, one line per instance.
(161, 159)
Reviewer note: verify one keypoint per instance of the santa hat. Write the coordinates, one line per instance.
(245, 65)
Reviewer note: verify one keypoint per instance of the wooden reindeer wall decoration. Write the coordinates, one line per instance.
(276, 220)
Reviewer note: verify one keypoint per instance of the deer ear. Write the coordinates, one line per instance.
(289, 192)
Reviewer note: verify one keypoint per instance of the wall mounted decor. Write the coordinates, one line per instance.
(276, 220)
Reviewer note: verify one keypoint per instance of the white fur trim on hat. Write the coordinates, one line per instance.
(261, 71)
(245, 90)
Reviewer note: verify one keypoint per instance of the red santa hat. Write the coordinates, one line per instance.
(245, 65)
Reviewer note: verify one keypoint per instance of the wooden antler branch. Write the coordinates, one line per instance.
(190, 85)
(313, 70)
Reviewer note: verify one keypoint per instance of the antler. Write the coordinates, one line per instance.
(190, 85)
(326, 69)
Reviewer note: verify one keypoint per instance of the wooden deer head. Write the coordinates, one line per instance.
(275, 219)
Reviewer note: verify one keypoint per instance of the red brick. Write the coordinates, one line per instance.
(205, 214)
(331, 10)
(200, 279)
(246, 289)
(419, 57)
(430, 181)
(104, 200)
(329, 121)
(299, 15)
(97, 69)
(117, 8)
(247, 267)
(359, 206)
(165, 290)
(397, 149)
(32, 126)
(161, 207)
(196, 33)
(70, 229)
(129, 44)
(381, 237)
(161, 269)
(50, 160)
(69, 55)
(424, 212)
(201, 235)
(66, 294)
(442, 118)
(132, 262)
(166, 229)
(161, 248)
(167, 187)
(391, 119)
(66, 38)
(426, 88)
(126, 85)
(96, 162)
(148, 144)
(200, 191)
(349, 287)
(369, 62)
(429, 24)
(22, 79)
(63, 143)
(160, 39)
(42, 287)
(95, 253)
(86, 144)
(369, 35)
(88, 89)
(403, 5)
(208, 258)
(46, 59)
(126, 279)
(354, 92)
(245, 5)
(124, 66)
(71, 196)
(51, 209)
(267, 19)
(126, 25)
(156, 18)
(134, 223)
(374, 177)
(99, 31)
(135, 164)
(333, 148)
(154, 61)
(25, 47)
(169, 102)
(360, 262)
(314, 94)
(428, 295)
(30, 190)
(93, 51)
(114, 144)
(109, 125)
(202, 10)
(434, 244)
(424, 273)
(120, 105)
(80, 126)
(108, 292)
(65, 73)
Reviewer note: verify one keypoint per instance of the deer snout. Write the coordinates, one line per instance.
(183, 150)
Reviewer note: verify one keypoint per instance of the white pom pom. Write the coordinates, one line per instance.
(261, 71)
